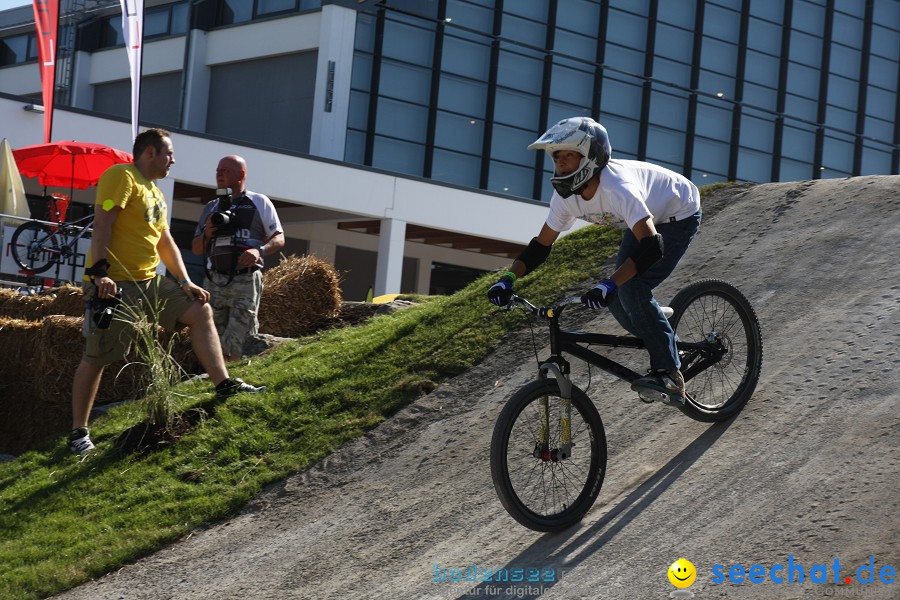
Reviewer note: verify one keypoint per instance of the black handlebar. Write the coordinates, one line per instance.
(547, 312)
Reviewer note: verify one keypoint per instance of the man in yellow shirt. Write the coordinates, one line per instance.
(130, 237)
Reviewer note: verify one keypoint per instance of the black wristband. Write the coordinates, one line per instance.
(98, 269)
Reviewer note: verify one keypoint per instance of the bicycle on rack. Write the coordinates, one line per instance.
(39, 245)
(548, 449)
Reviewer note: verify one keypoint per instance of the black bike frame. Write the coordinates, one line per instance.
(568, 341)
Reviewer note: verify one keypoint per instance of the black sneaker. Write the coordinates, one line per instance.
(236, 385)
(80, 441)
(667, 386)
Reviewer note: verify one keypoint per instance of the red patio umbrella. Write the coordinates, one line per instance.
(68, 164)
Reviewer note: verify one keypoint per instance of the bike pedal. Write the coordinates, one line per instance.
(650, 396)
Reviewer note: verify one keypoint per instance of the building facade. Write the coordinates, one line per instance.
(441, 98)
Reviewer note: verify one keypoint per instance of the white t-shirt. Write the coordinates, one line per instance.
(629, 191)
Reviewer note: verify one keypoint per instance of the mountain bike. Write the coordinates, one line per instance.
(548, 449)
(39, 245)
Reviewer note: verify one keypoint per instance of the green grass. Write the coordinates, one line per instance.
(65, 520)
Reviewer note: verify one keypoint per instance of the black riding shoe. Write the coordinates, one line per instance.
(236, 385)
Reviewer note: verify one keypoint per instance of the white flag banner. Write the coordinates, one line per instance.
(133, 32)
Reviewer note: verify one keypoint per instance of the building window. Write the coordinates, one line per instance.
(18, 49)
(232, 12)
(159, 21)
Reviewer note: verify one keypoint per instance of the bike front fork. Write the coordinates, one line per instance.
(542, 450)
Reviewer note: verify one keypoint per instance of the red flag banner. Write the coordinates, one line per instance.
(46, 22)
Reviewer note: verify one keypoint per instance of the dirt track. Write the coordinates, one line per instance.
(810, 469)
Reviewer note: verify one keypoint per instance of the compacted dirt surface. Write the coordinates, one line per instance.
(806, 477)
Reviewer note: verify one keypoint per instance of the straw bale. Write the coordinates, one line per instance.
(20, 340)
(299, 294)
(22, 306)
(67, 300)
(39, 406)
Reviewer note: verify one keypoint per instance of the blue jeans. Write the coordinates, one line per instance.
(634, 306)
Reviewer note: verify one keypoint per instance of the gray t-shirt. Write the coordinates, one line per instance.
(255, 221)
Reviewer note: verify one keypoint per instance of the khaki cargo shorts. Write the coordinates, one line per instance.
(160, 299)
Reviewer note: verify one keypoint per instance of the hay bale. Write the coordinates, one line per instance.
(36, 377)
(16, 305)
(298, 295)
(67, 300)
(17, 377)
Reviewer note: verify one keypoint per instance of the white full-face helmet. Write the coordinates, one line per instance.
(583, 135)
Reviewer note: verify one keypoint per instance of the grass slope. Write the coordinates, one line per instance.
(65, 520)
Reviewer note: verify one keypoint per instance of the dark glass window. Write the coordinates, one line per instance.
(674, 43)
(668, 110)
(511, 179)
(799, 144)
(581, 16)
(399, 156)
(457, 132)
(665, 146)
(465, 57)
(516, 108)
(626, 29)
(757, 133)
(623, 134)
(572, 85)
(454, 167)
(525, 31)
(402, 120)
(837, 157)
(520, 72)
(764, 36)
(17, 49)
(680, 14)
(754, 166)
(405, 82)
(463, 96)
(511, 144)
(399, 38)
(468, 15)
(621, 98)
(271, 7)
(111, 32)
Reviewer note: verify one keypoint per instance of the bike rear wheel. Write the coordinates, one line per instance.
(716, 312)
(35, 247)
(541, 487)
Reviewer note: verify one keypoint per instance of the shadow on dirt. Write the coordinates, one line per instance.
(547, 550)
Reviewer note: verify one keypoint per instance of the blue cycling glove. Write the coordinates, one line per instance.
(600, 295)
(501, 292)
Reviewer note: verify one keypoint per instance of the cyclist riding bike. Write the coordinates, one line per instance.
(661, 210)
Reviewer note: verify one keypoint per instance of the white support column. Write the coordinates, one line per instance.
(196, 94)
(423, 280)
(390, 257)
(331, 102)
(82, 90)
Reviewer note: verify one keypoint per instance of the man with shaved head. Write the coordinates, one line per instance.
(235, 233)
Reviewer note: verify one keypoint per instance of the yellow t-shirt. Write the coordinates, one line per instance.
(136, 231)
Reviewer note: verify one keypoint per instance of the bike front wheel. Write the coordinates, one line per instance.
(35, 247)
(717, 314)
(542, 481)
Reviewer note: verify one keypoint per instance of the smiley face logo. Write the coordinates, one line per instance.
(682, 573)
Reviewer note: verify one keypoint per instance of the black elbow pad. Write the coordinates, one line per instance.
(649, 251)
(534, 255)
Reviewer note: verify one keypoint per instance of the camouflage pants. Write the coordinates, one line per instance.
(235, 306)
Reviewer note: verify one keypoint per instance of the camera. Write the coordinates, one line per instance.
(104, 309)
(224, 217)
